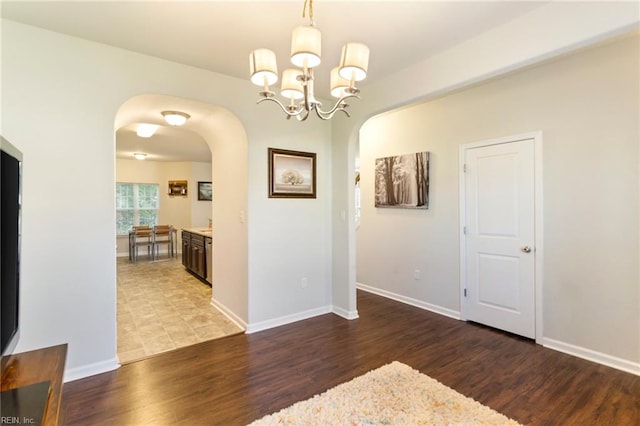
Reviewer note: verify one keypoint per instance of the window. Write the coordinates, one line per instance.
(136, 204)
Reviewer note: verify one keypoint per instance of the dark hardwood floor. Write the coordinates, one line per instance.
(237, 379)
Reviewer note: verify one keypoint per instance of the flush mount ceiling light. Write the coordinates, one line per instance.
(146, 130)
(297, 84)
(140, 155)
(175, 118)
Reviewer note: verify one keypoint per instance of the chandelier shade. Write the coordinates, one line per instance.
(297, 85)
(339, 85)
(306, 47)
(263, 67)
(354, 61)
(291, 87)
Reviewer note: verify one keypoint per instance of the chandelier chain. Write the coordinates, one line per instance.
(308, 4)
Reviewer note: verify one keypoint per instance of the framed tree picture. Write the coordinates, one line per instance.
(292, 174)
(402, 181)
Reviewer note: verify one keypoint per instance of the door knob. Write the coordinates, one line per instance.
(526, 249)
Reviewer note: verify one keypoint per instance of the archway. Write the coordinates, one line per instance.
(227, 142)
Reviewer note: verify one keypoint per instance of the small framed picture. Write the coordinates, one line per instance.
(178, 188)
(205, 191)
(292, 174)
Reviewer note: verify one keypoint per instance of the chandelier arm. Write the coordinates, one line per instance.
(328, 115)
(295, 113)
(340, 105)
(325, 115)
(343, 110)
(303, 117)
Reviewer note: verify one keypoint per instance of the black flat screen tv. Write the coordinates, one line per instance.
(10, 230)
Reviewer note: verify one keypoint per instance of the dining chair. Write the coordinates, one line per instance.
(162, 235)
(141, 237)
(132, 239)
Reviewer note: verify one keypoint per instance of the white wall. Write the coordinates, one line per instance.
(290, 245)
(587, 107)
(69, 289)
(179, 211)
(548, 31)
(201, 210)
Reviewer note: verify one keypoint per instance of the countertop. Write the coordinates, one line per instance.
(205, 232)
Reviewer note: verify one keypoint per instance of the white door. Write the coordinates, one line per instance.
(499, 235)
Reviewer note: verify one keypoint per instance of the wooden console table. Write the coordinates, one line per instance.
(37, 366)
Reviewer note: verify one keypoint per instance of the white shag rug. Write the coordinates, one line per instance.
(394, 394)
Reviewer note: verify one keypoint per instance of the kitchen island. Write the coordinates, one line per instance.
(197, 251)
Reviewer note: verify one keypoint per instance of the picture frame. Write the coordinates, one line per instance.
(205, 191)
(292, 174)
(178, 188)
(402, 181)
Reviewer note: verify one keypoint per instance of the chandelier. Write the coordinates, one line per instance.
(297, 83)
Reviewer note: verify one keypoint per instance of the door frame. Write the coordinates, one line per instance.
(538, 222)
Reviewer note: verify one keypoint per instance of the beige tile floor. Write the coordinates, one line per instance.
(162, 307)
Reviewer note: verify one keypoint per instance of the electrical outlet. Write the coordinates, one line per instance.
(304, 282)
(416, 274)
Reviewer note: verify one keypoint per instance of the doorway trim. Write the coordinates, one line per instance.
(538, 222)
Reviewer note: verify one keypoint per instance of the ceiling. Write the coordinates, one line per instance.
(219, 35)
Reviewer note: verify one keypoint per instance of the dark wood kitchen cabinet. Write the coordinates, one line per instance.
(197, 257)
(194, 253)
(186, 244)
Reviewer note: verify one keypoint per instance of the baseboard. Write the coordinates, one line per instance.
(287, 319)
(350, 315)
(594, 356)
(410, 301)
(577, 351)
(91, 369)
(229, 314)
